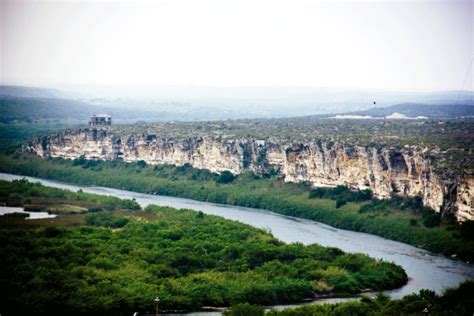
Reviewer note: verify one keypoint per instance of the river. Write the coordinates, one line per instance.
(424, 269)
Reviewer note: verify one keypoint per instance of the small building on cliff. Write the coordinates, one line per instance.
(100, 120)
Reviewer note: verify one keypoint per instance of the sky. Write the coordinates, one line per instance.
(396, 45)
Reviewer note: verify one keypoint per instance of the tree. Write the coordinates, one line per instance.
(432, 220)
(225, 177)
(340, 202)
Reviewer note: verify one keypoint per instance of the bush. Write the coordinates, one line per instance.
(432, 220)
(316, 193)
(374, 206)
(141, 164)
(245, 310)
(340, 202)
(106, 220)
(34, 208)
(467, 230)
(225, 177)
(341, 192)
(363, 195)
(79, 161)
(16, 215)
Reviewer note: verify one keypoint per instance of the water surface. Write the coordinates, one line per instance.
(33, 215)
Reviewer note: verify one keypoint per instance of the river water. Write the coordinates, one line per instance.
(424, 269)
(32, 215)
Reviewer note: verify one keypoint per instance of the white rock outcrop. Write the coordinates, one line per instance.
(386, 171)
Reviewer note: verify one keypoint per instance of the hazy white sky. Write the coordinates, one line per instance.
(400, 45)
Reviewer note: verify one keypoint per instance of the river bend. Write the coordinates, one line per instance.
(424, 269)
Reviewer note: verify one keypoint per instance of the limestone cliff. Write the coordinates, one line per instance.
(385, 170)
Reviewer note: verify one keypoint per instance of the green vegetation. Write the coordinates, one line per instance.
(457, 301)
(341, 192)
(15, 216)
(429, 218)
(267, 193)
(225, 177)
(400, 219)
(245, 309)
(118, 261)
(106, 220)
(37, 198)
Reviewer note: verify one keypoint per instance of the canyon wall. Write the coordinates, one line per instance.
(386, 171)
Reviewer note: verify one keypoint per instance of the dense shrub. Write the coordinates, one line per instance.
(340, 202)
(245, 310)
(16, 215)
(467, 230)
(341, 192)
(374, 206)
(432, 220)
(187, 258)
(106, 220)
(225, 177)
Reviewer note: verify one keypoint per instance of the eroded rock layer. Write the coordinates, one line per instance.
(386, 171)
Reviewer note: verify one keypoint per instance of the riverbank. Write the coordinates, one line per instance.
(405, 225)
(119, 259)
(425, 270)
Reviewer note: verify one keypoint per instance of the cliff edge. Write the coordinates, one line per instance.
(386, 170)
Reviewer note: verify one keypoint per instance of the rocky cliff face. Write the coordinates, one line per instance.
(386, 171)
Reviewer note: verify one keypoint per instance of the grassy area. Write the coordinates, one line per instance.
(401, 220)
(66, 209)
(120, 260)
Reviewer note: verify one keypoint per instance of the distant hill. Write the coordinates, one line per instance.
(40, 105)
(41, 109)
(65, 111)
(420, 109)
(29, 92)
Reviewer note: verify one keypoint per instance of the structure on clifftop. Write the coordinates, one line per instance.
(100, 119)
